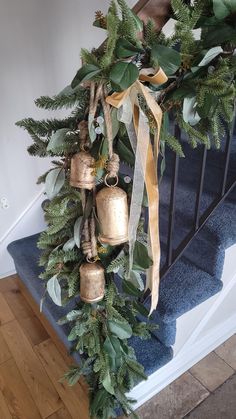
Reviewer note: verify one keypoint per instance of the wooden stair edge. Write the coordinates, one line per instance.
(158, 10)
(47, 325)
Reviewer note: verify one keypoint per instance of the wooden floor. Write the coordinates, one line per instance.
(31, 365)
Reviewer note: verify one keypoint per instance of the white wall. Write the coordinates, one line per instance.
(40, 42)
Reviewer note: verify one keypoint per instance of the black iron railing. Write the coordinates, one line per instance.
(173, 254)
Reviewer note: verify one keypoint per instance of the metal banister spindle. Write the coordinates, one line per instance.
(172, 202)
(200, 189)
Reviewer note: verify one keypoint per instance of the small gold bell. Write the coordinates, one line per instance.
(92, 282)
(82, 171)
(112, 211)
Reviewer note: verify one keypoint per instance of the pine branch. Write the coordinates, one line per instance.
(60, 101)
(194, 134)
(128, 27)
(118, 262)
(174, 144)
(112, 29)
(45, 127)
(88, 57)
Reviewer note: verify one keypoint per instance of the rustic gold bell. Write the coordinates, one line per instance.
(112, 211)
(92, 282)
(82, 171)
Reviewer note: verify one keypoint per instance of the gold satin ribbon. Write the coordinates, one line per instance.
(117, 99)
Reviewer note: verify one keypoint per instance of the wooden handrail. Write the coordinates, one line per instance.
(158, 10)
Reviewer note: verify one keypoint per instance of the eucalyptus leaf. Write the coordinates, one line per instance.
(69, 245)
(136, 279)
(219, 34)
(115, 122)
(210, 55)
(87, 72)
(70, 317)
(41, 303)
(130, 289)
(78, 330)
(99, 400)
(138, 22)
(125, 48)
(77, 231)
(54, 290)
(141, 309)
(223, 8)
(126, 155)
(123, 75)
(55, 179)
(113, 350)
(119, 329)
(141, 258)
(109, 349)
(186, 89)
(190, 114)
(57, 139)
(168, 58)
(91, 128)
(67, 91)
(107, 384)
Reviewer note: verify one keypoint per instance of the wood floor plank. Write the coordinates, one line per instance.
(61, 414)
(9, 283)
(4, 411)
(6, 314)
(15, 392)
(18, 304)
(5, 353)
(74, 398)
(48, 327)
(33, 329)
(44, 394)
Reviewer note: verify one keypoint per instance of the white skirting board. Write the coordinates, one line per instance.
(29, 222)
(199, 331)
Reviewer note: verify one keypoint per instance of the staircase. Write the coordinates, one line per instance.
(196, 277)
(190, 291)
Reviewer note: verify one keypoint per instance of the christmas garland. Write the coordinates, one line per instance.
(94, 247)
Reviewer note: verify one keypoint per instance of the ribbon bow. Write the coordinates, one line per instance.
(130, 112)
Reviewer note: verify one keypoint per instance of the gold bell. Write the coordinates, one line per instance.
(112, 211)
(92, 282)
(82, 171)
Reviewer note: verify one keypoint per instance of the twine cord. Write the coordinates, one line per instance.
(83, 134)
(89, 242)
(114, 161)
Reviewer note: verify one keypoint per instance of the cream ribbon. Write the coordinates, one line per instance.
(145, 166)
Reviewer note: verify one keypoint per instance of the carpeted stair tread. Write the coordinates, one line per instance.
(183, 288)
(152, 353)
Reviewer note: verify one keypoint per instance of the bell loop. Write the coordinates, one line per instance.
(109, 177)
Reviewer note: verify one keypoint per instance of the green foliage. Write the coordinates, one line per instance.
(45, 127)
(195, 135)
(118, 262)
(174, 144)
(187, 15)
(128, 26)
(63, 100)
(88, 57)
(168, 59)
(123, 74)
(112, 32)
(100, 332)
